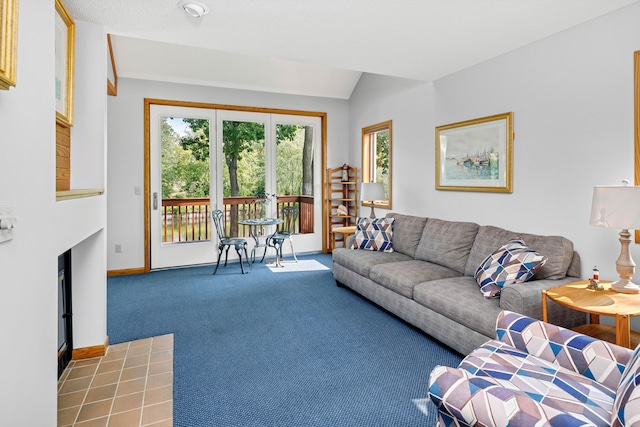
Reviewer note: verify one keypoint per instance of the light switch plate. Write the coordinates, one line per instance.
(6, 217)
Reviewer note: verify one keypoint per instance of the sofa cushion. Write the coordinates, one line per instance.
(407, 231)
(361, 261)
(447, 243)
(458, 299)
(557, 249)
(374, 234)
(512, 263)
(402, 276)
(545, 382)
(626, 406)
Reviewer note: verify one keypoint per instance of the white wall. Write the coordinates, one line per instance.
(89, 142)
(409, 104)
(80, 223)
(572, 98)
(126, 149)
(28, 263)
(45, 228)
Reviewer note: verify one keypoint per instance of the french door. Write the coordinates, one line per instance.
(298, 174)
(181, 184)
(281, 160)
(243, 156)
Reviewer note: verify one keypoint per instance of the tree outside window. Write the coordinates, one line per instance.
(376, 158)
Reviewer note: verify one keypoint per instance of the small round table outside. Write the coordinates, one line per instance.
(259, 223)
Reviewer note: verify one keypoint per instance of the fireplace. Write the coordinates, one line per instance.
(65, 332)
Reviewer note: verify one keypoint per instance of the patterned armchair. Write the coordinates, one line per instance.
(538, 374)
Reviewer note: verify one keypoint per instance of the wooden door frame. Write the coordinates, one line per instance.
(636, 123)
(147, 158)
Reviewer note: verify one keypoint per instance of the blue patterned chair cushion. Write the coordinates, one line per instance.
(467, 400)
(374, 234)
(512, 263)
(597, 360)
(626, 407)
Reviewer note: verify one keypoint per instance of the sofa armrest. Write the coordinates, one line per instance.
(526, 298)
(596, 359)
(475, 400)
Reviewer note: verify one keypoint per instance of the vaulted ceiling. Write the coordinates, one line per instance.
(320, 48)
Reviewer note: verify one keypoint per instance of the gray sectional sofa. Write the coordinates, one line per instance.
(428, 280)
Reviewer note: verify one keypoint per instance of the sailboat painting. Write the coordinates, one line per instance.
(475, 155)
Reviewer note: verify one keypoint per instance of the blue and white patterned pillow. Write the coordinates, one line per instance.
(374, 234)
(512, 263)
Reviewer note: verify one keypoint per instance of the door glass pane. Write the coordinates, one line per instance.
(185, 180)
(294, 172)
(243, 172)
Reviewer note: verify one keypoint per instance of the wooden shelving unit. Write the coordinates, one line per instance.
(338, 193)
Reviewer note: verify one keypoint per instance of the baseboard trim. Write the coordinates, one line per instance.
(89, 352)
(126, 272)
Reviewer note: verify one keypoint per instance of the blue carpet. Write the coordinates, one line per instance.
(267, 349)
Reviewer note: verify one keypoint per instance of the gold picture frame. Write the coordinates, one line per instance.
(65, 32)
(476, 155)
(8, 43)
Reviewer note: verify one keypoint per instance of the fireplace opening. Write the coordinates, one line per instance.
(65, 324)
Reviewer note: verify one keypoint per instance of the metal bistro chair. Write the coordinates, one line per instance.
(286, 230)
(224, 241)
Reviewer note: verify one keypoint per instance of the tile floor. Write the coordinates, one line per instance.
(130, 386)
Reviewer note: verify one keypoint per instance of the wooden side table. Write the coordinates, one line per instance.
(345, 231)
(607, 302)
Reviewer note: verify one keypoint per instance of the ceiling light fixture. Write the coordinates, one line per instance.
(194, 8)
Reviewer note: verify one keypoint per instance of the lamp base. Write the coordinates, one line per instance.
(625, 287)
(625, 267)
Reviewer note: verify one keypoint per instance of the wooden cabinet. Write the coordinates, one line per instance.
(340, 192)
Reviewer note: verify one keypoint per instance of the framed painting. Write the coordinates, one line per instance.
(476, 155)
(8, 43)
(64, 41)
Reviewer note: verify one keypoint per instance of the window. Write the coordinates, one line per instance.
(376, 159)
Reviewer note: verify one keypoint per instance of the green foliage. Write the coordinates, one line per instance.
(197, 140)
(382, 151)
(289, 165)
(185, 171)
(250, 173)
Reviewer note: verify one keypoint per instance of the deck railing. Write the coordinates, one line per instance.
(187, 220)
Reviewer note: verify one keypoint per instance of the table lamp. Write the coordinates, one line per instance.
(370, 192)
(619, 207)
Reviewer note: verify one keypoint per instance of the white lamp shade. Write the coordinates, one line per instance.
(371, 191)
(616, 207)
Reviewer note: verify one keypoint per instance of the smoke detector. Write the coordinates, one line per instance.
(193, 8)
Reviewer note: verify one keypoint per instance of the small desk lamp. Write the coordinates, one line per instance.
(619, 207)
(370, 192)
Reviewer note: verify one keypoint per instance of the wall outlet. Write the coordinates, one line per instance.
(118, 248)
